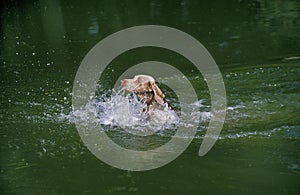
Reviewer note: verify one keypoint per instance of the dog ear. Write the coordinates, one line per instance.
(158, 95)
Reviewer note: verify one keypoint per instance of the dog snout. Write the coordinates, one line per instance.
(128, 84)
(124, 83)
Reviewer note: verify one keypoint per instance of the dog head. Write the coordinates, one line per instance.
(145, 88)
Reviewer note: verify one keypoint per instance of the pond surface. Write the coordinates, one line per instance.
(256, 45)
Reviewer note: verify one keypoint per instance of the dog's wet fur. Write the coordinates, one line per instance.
(146, 90)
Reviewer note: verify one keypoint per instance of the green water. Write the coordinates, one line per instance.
(255, 43)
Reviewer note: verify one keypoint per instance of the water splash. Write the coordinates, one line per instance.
(124, 110)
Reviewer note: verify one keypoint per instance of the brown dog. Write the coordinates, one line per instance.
(146, 90)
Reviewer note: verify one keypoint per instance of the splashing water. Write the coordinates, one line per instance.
(124, 110)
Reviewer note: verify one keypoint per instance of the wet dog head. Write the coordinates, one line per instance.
(145, 88)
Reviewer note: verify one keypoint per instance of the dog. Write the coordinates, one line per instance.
(147, 92)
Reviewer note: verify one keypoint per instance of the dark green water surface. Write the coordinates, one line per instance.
(256, 45)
